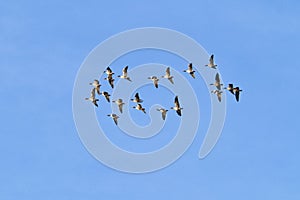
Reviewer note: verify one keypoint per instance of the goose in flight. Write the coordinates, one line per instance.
(190, 70)
(125, 74)
(218, 93)
(140, 107)
(114, 117)
(217, 83)
(96, 85)
(120, 104)
(168, 75)
(237, 91)
(155, 80)
(108, 71)
(110, 80)
(92, 98)
(137, 98)
(106, 95)
(211, 63)
(177, 107)
(163, 112)
(229, 88)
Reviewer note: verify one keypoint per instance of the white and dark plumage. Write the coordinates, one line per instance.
(92, 97)
(218, 93)
(168, 75)
(106, 95)
(190, 70)
(217, 83)
(108, 71)
(237, 91)
(211, 63)
(229, 88)
(177, 107)
(120, 104)
(125, 74)
(163, 112)
(140, 107)
(96, 85)
(137, 98)
(114, 117)
(110, 80)
(155, 80)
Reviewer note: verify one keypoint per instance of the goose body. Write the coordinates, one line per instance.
(96, 85)
(177, 107)
(218, 93)
(190, 70)
(140, 107)
(120, 104)
(92, 98)
(114, 117)
(137, 98)
(236, 92)
(106, 95)
(163, 112)
(217, 83)
(125, 74)
(211, 63)
(155, 80)
(168, 75)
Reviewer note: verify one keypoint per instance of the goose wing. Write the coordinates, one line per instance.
(168, 72)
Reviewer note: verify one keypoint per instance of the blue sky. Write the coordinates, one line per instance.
(256, 44)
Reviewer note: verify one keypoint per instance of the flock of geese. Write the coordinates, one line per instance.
(119, 102)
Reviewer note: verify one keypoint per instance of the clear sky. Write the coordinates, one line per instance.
(256, 44)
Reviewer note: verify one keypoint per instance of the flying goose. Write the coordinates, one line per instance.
(137, 98)
(155, 80)
(217, 83)
(211, 63)
(140, 107)
(108, 71)
(218, 93)
(163, 112)
(177, 106)
(168, 75)
(110, 80)
(114, 117)
(106, 95)
(190, 70)
(120, 104)
(237, 91)
(92, 98)
(229, 88)
(124, 74)
(96, 85)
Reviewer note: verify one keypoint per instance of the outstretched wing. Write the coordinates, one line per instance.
(168, 71)
(190, 68)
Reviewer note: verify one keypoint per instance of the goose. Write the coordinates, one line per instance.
(124, 75)
(137, 98)
(108, 71)
(106, 95)
(229, 88)
(237, 91)
(120, 104)
(140, 107)
(217, 83)
(155, 80)
(92, 98)
(168, 75)
(190, 70)
(163, 112)
(211, 62)
(110, 80)
(218, 93)
(114, 117)
(177, 106)
(96, 85)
